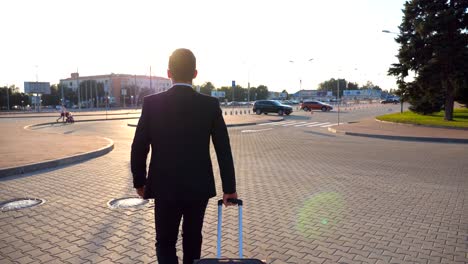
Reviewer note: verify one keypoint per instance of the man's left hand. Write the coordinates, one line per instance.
(141, 191)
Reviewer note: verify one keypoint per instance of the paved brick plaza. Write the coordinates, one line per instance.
(309, 198)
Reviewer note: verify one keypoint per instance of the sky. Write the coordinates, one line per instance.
(244, 40)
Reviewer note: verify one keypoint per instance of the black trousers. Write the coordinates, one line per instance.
(167, 219)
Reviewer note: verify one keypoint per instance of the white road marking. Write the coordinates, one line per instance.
(306, 124)
(265, 124)
(273, 124)
(294, 123)
(319, 124)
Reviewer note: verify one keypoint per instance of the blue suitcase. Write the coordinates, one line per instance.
(218, 259)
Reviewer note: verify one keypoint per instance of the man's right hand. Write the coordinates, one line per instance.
(227, 196)
(141, 191)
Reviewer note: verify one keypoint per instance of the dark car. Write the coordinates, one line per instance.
(271, 106)
(390, 101)
(315, 105)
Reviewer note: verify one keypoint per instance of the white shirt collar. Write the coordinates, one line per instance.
(182, 84)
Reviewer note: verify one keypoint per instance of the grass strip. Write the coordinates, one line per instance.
(460, 118)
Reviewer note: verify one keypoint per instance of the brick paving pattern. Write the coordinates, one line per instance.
(308, 199)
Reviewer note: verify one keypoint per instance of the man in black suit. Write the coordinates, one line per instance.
(178, 124)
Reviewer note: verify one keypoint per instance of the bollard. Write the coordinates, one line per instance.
(225, 113)
(231, 112)
(236, 112)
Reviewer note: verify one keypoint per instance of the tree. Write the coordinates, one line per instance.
(287, 94)
(262, 92)
(70, 95)
(370, 85)
(206, 88)
(14, 97)
(433, 42)
(352, 86)
(53, 98)
(332, 85)
(461, 94)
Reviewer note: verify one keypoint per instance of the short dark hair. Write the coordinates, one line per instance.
(182, 64)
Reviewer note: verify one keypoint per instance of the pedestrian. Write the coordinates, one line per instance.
(178, 124)
(63, 111)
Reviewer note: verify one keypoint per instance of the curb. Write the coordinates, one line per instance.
(45, 115)
(230, 125)
(402, 138)
(58, 162)
(80, 121)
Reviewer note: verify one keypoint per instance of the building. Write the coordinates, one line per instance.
(364, 94)
(117, 86)
(312, 94)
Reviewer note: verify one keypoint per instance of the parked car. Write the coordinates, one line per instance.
(315, 105)
(390, 101)
(234, 103)
(271, 106)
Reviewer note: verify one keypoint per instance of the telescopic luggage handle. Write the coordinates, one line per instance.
(220, 217)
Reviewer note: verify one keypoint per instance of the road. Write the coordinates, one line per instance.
(310, 197)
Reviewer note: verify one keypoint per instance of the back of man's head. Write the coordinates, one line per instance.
(182, 65)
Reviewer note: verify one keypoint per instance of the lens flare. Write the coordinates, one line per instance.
(319, 214)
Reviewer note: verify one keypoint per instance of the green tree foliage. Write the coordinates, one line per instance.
(206, 88)
(227, 92)
(53, 98)
(71, 97)
(287, 94)
(352, 86)
(332, 85)
(262, 92)
(434, 45)
(15, 98)
(240, 93)
(370, 85)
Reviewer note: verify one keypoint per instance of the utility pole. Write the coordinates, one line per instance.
(86, 93)
(135, 91)
(151, 85)
(91, 94)
(95, 91)
(78, 89)
(8, 97)
(338, 99)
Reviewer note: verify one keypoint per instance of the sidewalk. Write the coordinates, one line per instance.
(25, 150)
(56, 114)
(396, 131)
(238, 120)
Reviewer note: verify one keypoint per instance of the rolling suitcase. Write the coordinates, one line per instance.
(218, 258)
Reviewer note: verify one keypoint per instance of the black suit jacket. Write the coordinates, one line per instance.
(178, 124)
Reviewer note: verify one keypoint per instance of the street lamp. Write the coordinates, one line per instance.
(390, 32)
(300, 78)
(401, 97)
